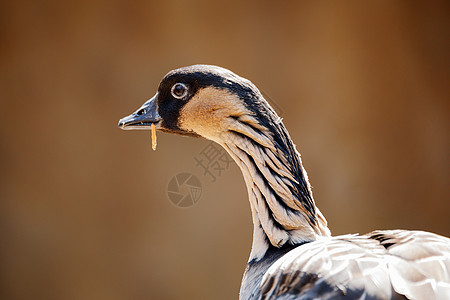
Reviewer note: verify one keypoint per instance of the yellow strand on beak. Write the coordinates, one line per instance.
(154, 143)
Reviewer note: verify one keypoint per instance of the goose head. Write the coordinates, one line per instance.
(203, 101)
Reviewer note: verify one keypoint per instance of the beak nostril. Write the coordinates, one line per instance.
(140, 112)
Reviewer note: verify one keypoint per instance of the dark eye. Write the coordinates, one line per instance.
(179, 90)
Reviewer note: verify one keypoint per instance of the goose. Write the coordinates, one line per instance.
(293, 254)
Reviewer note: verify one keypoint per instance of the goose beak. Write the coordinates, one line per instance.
(143, 117)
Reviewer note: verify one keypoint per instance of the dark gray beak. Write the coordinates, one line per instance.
(143, 117)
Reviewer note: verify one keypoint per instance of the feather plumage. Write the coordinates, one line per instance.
(380, 265)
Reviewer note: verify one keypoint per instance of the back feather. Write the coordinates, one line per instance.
(395, 264)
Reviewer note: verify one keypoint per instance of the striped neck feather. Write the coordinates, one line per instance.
(280, 196)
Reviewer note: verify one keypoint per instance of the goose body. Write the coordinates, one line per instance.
(293, 254)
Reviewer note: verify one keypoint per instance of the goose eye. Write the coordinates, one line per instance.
(179, 90)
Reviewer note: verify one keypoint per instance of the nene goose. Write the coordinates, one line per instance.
(293, 254)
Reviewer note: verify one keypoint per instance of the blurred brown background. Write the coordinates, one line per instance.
(363, 89)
